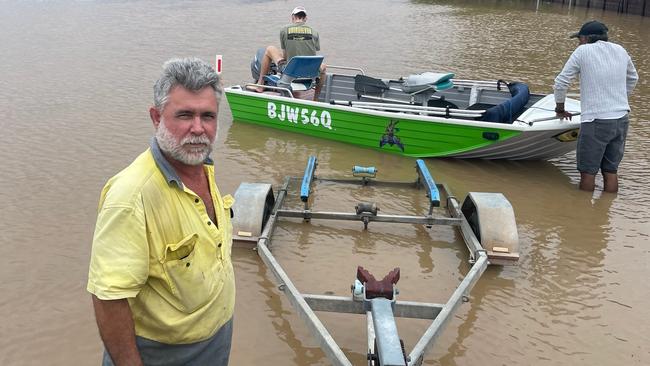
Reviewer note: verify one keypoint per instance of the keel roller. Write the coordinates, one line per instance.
(363, 171)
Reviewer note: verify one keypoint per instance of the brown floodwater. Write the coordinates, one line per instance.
(76, 85)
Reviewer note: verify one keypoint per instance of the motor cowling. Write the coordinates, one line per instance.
(256, 65)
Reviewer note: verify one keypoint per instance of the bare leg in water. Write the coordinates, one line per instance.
(271, 54)
(610, 182)
(587, 182)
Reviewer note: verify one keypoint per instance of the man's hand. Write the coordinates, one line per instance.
(561, 113)
(564, 115)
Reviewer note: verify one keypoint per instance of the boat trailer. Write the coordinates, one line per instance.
(486, 222)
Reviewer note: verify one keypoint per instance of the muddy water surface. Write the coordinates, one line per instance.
(74, 93)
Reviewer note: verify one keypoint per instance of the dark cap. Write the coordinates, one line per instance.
(593, 27)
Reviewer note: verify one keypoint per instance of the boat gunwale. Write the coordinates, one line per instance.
(520, 127)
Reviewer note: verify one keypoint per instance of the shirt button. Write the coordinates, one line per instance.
(219, 245)
(196, 200)
(209, 223)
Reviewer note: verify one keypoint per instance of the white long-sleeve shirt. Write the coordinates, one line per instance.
(607, 78)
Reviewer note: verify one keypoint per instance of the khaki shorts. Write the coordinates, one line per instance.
(601, 144)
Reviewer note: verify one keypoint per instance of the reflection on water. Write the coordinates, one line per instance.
(74, 95)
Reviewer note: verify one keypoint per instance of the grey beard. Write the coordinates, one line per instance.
(168, 143)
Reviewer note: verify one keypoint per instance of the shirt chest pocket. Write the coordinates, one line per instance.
(191, 273)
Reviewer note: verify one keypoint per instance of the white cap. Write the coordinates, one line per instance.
(298, 9)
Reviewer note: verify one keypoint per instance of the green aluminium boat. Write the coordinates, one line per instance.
(424, 115)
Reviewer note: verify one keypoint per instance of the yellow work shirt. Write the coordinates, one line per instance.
(155, 244)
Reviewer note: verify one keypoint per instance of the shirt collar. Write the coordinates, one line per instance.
(165, 167)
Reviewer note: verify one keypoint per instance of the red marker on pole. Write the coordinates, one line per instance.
(217, 64)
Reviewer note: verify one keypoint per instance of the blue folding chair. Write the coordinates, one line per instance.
(300, 73)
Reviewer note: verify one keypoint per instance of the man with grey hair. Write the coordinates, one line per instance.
(607, 78)
(161, 277)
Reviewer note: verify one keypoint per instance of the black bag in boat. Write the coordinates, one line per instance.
(368, 85)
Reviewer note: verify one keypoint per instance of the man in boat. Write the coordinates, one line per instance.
(607, 78)
(160, 275)
(296, 39)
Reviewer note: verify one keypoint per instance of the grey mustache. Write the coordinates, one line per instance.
(203, 139)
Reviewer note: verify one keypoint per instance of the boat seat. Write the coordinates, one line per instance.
(427, 81)
(300, 73)
(422, 86)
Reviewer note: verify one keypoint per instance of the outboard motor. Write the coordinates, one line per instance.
(256, 65)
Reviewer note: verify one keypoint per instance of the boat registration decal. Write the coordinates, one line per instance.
(297, 114)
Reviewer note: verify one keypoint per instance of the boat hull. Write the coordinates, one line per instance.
(405, 134)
